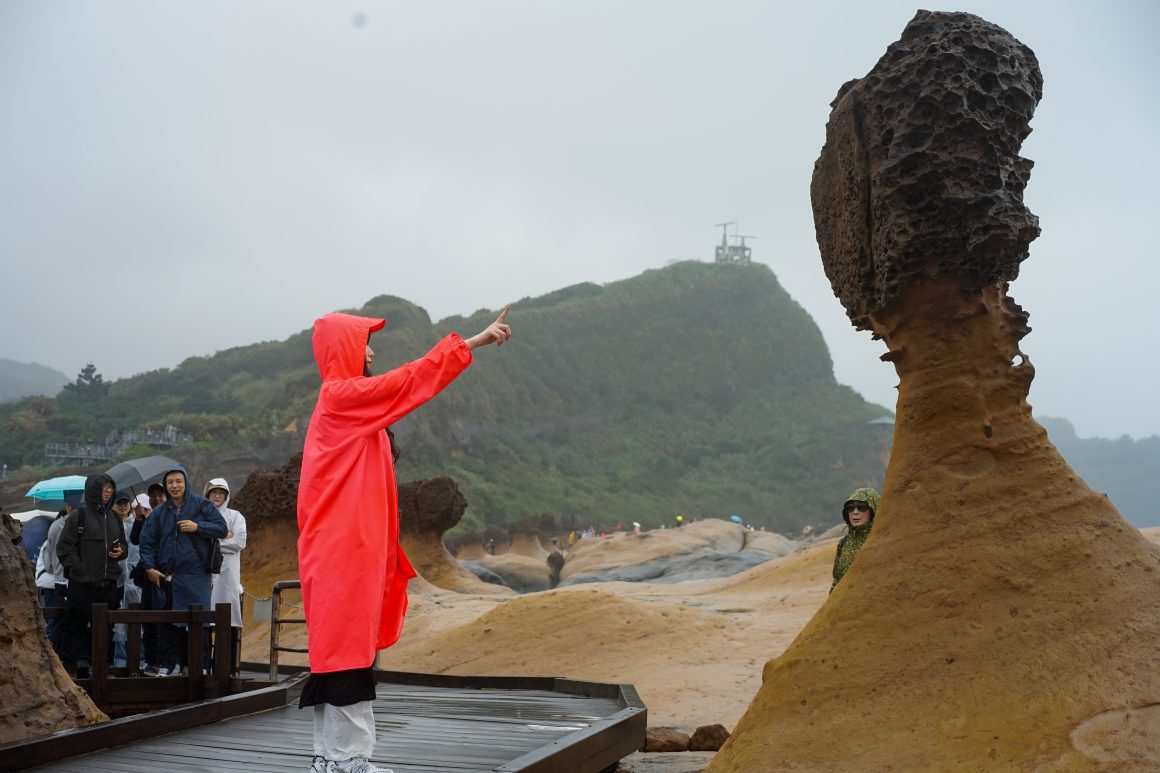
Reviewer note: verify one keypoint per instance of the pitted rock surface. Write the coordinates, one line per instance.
(37, 697)
(270, 496)
(920, 175)
(430, 506)
(1012, 610)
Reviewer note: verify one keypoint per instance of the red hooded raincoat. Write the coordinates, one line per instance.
(354, 574)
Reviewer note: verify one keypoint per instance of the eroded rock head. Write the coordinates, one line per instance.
(920, 176)
(270, 496)
(430, 506)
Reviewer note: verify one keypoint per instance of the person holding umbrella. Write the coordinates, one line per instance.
(348, 517)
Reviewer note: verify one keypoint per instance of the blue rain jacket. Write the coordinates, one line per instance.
(173, 552)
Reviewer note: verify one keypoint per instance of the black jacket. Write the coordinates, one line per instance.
(88, 536)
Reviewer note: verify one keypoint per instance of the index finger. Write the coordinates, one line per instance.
(503, 314)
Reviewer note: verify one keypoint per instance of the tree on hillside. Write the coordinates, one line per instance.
(89, 386)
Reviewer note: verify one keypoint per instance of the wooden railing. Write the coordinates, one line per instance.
(277, 621)
(128, 691)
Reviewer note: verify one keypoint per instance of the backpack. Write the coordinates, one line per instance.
(212, 559)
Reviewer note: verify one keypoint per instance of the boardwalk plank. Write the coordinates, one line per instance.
(420, 729)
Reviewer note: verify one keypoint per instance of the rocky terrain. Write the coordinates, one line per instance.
(36, 694)
(1002, 615)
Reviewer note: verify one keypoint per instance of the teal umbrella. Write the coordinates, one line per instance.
(58, 488)
(735, 518)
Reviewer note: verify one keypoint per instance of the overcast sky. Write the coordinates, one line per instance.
(178, 178)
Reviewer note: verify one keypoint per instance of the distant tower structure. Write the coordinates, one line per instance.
(732, 253)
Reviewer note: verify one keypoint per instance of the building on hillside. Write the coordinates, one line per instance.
(737, 252)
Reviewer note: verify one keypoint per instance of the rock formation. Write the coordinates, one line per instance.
(428, 508)
(270, 496)
(1002, 616)
(37, 697)
(702, 550)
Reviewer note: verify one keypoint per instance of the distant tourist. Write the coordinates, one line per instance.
(91, 549)
(174, 553)
(227, 585)
(858, 513)
(346, 488)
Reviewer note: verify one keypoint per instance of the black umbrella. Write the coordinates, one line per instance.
(34, 532)
(137, 472)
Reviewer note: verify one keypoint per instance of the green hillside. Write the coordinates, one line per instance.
(699, 389)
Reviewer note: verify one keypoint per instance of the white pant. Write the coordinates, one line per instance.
(344, 732)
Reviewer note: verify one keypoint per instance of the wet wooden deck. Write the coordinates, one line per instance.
(424, 723)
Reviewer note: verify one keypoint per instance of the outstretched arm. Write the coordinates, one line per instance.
(373, 403)
(495, 333)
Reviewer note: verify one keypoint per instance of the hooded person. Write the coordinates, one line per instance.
(175, 551)
(858, 512)
(227, 584)
(353, 571)
(90, 551)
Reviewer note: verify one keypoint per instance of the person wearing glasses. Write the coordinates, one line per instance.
(858, 513)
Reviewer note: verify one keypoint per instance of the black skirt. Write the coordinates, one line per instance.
(338, 688)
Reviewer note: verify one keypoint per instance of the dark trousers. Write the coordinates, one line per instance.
(174, 646)
(75, 641)
(173, 640)
(149, 632)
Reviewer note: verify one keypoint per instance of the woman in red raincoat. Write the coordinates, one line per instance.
(354, 574)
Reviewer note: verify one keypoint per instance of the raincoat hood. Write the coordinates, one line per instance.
(93, 486)
(218, 483)
(867, 495)
(340, 342)
(184, 474)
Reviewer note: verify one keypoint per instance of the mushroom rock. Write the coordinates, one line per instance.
(524, 565)
(37, 697)
(427, 509)
(270, 495)
(1002, 614)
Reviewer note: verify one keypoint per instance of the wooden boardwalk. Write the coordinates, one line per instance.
(431, 725)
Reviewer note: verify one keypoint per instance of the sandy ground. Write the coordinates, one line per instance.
(695, 651)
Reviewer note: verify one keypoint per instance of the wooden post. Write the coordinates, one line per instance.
(196, 643)
(275, 602)
(133, 646)
(222, 650)
(99, 661)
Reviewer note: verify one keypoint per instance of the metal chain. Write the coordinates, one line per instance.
(271, 598)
